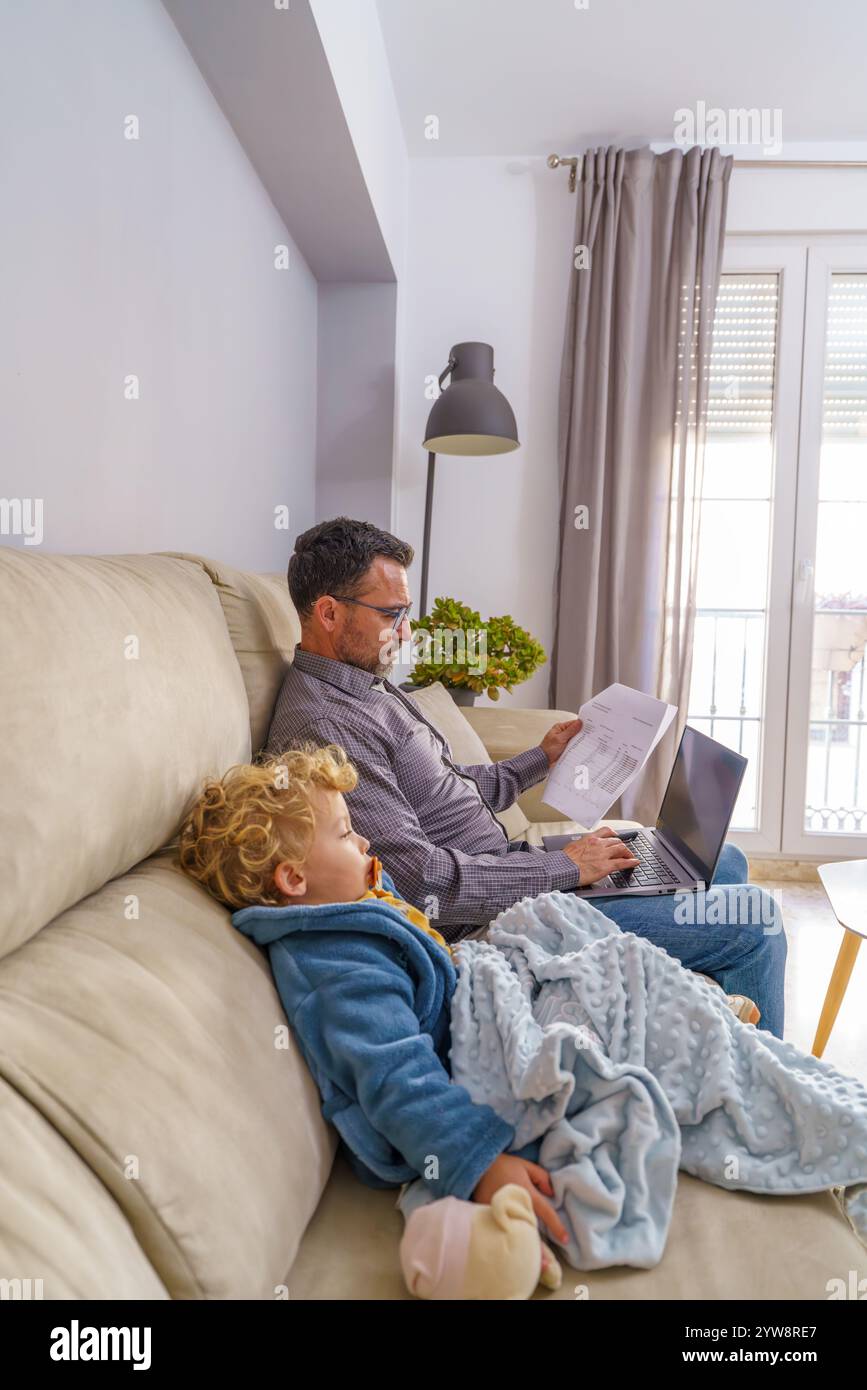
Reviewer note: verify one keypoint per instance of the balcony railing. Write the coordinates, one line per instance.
(726, 703)
(726, 692)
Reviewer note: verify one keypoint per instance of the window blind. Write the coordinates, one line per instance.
(743, 356)
(844, 403)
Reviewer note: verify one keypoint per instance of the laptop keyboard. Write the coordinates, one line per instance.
(649, 871)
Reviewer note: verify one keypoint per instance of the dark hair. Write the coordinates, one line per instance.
(334, 557)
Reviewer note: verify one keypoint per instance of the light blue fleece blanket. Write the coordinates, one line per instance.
(628, 1067)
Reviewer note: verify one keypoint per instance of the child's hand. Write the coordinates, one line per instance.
(511, 1168)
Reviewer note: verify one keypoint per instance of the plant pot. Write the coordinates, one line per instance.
(462, 696)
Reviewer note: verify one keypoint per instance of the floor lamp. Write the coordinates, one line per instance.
(470, 417)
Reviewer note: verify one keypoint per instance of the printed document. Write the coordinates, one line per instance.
(621, 728)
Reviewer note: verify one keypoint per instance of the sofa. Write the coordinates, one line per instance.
(158, 1138)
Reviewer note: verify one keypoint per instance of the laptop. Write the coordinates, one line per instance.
(680, 853)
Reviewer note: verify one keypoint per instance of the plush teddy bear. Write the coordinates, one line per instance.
(452, 1249)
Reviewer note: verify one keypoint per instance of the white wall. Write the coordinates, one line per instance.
(489, 257)
(355, 425)
(153, 257)
(797, 200)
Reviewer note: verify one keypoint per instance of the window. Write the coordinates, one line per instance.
(836, 791)
(781, 622)
(732, 586)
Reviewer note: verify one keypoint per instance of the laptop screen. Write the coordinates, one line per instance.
(700, 799)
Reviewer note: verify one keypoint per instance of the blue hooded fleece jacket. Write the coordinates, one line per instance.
(368, 998)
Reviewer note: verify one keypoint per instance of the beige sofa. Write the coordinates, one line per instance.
(154, 1141)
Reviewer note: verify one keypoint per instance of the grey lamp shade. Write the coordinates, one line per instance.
(471, 416)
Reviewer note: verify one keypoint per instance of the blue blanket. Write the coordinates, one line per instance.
(628, 1067)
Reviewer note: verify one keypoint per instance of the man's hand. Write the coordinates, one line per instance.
(599, 854)
(558, 736)
(511, 1168)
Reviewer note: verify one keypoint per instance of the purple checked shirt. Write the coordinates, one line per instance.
(429, 820)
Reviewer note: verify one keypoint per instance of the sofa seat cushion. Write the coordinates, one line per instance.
(60, 1225)
(120, 693)
(437, 705)
(720, 1245)
(148, 1032)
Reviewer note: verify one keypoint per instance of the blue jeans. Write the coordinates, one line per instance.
(733, 932)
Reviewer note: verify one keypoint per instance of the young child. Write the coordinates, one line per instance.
(366, 982)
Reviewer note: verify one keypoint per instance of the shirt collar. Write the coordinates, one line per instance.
(349, 678)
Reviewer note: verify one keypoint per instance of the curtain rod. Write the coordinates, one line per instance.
(572, 161)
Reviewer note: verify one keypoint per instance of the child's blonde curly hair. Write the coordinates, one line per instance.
(242, 826)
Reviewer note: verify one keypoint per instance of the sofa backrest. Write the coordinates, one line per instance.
(120, 693)
(263, 627)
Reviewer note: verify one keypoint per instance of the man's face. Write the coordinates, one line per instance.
(363, 637)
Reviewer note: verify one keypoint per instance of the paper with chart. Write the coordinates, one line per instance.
(622, 727)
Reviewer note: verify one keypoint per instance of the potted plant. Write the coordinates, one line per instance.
(470, 657)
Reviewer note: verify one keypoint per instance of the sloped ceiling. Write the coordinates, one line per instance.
(270, 75)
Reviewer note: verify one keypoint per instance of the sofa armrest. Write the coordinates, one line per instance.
(507, 731)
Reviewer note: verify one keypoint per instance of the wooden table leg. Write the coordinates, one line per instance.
(836, 989)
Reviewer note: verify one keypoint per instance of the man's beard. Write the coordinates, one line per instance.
(355, 652)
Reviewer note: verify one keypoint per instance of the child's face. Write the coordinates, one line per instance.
(337, 869)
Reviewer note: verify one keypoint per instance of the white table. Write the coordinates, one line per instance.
(846, 887)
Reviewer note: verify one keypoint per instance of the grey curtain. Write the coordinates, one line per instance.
(633, 401)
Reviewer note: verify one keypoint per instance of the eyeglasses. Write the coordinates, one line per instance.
(398, 614)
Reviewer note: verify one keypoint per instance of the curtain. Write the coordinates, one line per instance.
(633, 402)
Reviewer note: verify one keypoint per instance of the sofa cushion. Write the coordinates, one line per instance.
(119, 693)
(437, 705)
(721, 1245)
(263, 627)
(145, 1029)
(59, 1224)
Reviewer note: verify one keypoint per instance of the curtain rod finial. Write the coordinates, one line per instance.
(554, 162)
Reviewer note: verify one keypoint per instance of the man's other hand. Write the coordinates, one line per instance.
(599, 854)
(557, 738)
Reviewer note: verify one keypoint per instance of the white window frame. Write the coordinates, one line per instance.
(824, 257)
(787, 260)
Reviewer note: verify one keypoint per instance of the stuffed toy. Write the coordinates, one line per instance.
(452, 1249)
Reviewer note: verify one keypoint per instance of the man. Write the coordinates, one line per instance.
(432, 822)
